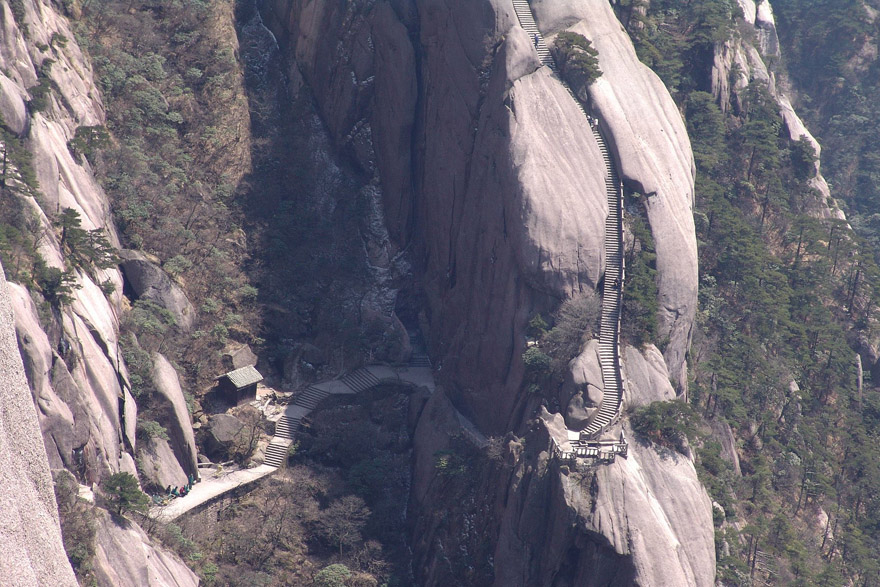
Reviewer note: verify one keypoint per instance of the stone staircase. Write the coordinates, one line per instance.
(287, 426)
(609, 335)
(609, 331)
(311, 397)
(360, 380)
(527, 21)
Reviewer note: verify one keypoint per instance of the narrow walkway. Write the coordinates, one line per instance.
(417, 372)
(585, 444)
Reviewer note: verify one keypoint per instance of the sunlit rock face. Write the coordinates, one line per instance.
(492, 178)
(747, 60)
(31, 552)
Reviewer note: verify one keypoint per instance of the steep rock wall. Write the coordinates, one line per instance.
(747, 59)
(76, 372)
(31, 552)
(649, 142)
(487, 168)
(521, 519)
(69, 354)
(493, 178)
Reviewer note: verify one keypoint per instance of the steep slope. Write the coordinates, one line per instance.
(504, 206)
(65, 311)
(31, 552)
(649, 141)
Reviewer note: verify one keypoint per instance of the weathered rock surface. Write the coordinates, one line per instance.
(583, 387)
(124, 555)
(647, 135)
(12, 110)
(239, 357)
(75, 389)
(150, 282)
(644, 520)
(646, 379)
(653, 506)
(223, 434)
(31, 552)
(174, 414)
(524, 233)
(748, 61)
(492, 177)
(159, 464)
(73, 365)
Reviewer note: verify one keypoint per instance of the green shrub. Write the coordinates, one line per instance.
(449, 464)
(57, 286)
(574, 324)
(640, 306)
(332, 576)
(536, 361)
(147, 429)
(123, 493)
(578, 60)
(87, 141)
(668, 424)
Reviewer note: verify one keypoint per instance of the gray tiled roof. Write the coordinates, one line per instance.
(244, 376)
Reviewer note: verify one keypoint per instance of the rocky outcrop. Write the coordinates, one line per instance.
(173, 413)
(646, 379)
(148, 281)
(223, 435)
(512, 211)
(31, 552)
(649, 142)
(158, 464)
(71, 353)
(643, 520)
(748, 61)
(491, 176)
(124, 555)
(75, 389)
(583, 388)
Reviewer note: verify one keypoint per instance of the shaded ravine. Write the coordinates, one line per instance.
(417, 373)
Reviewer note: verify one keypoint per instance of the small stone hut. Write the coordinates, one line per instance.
(239, 386)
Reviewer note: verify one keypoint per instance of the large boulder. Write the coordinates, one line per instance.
(149, 281)
(173, 414)
(124, 555)
(223, 435)
(238, 357)
(583, 386)
(159, 465)
(31, 551)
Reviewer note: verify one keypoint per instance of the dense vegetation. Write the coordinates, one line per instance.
(337, 511)
(578, 60)
(786, 299)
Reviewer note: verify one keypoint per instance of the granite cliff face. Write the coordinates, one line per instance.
(492, 176)
(749, 61)
(68, 355)
(31, 552)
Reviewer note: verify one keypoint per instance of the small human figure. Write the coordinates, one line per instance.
(191, 480)
(175, 492)
(616, 283)
(168, 490)
(536, 40)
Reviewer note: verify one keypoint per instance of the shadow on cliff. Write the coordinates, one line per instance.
(302, 207)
